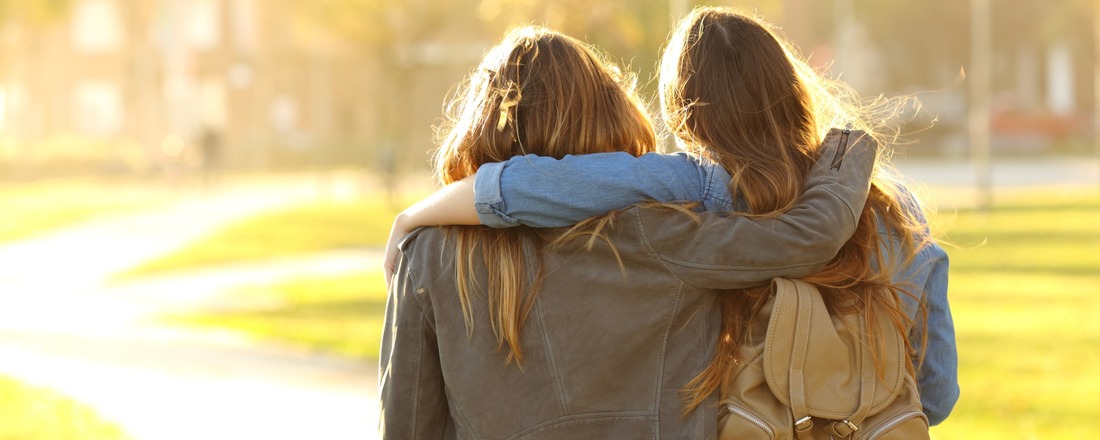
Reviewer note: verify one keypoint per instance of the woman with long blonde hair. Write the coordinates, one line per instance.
(733, 91)
(557, 333)
(739, 100)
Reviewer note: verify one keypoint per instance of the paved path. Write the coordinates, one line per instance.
(65, 325)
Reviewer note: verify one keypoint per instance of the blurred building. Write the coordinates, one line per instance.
(146, 80)
(135, 85)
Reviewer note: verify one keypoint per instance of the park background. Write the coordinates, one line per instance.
(194, 194)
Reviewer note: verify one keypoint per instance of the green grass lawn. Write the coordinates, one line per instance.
(1025, 279)
(31, 413)
(338, 314)
(34, 207)
(362, 222)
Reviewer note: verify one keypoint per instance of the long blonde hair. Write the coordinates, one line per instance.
(537, 92)
(735, 92)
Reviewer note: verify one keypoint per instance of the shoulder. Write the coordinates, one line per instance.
(427, 247)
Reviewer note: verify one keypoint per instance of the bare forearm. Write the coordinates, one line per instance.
(451, 205)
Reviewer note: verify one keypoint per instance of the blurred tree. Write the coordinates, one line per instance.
(405, 39)
(401, 39)
(30, 13)
(21, 19)
(919, 41)
(925, 43)
(20, 24)
(630, 33)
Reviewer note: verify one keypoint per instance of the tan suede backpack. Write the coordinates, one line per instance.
(810, 375)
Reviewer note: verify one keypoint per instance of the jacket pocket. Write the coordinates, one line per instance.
(904, 426)
(736, 423)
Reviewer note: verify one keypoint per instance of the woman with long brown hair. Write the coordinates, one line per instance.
(555, 333)
(739, 99)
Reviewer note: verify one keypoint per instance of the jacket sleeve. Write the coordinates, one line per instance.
(720, 252)
(926, 275)
(938, 377)
(413, 400)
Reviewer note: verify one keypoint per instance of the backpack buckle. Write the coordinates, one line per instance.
(804, 424)
(842, 429)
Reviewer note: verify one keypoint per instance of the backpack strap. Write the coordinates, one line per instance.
(868, 385)
(798, 298)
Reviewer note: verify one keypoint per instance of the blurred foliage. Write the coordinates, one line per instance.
(28, 412)
(33, 12)
(905, 31)
(631, 32)
(398, 61)
(924, 44)
(72, 155)
(20, 20)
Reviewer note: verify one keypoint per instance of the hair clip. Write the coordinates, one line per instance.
(505, 108)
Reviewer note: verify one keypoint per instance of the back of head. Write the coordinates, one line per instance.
(537, 92)
(541, 92)
(730, 92)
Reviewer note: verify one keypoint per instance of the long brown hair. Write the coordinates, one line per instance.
(735, 92)
(537, 92)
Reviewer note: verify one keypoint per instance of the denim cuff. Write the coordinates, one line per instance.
(487, 199)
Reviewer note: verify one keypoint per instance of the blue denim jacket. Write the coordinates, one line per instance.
(547, 192)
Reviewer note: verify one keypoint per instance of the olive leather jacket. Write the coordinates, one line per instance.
(608, 344)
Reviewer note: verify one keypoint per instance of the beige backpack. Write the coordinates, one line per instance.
(811, 376)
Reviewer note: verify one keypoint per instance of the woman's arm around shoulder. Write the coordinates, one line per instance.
(451, 205)
(725, 252)
(547, 192)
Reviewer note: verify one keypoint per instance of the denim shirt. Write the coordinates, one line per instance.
(547, 192)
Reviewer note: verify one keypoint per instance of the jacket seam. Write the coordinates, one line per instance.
(649, 246)
(583, 418)
(426, 308)
(694, 265)
(419, 371)
(462, 422)
(844, 200)
(412, 281)
(559, 385)
(659, 385)
(667, 261)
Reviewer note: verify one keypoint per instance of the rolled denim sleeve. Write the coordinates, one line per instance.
(545, 192)
(491, 210)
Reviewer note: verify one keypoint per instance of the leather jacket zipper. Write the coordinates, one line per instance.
(841, 149)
